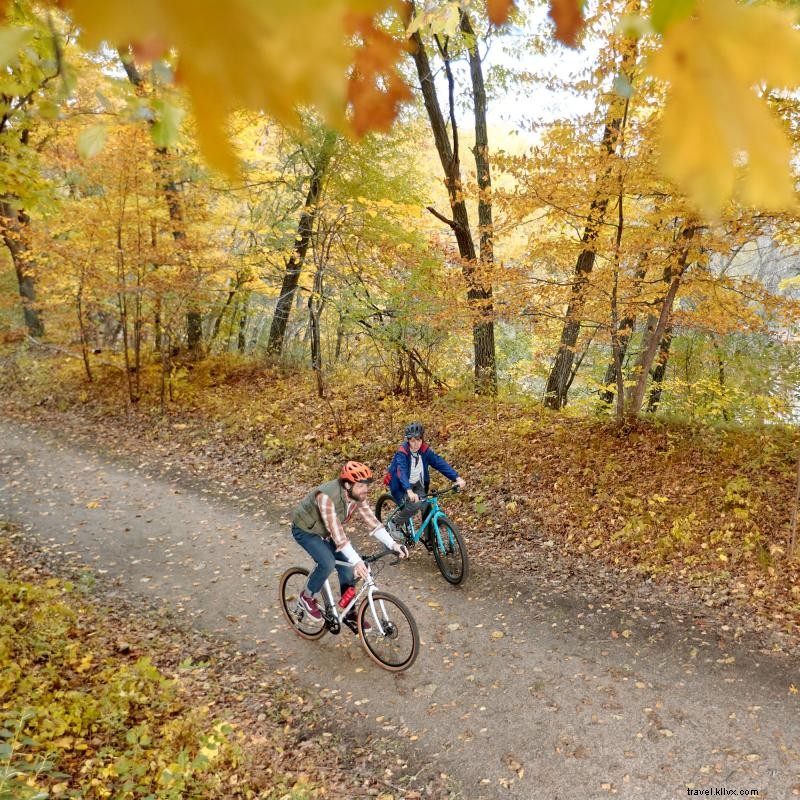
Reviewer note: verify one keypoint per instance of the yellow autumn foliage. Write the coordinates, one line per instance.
(719, 64)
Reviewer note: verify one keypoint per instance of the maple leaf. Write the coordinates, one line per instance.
(568, 17)
(713, 116)
(499, 10)
(376, 88)
(258, 56)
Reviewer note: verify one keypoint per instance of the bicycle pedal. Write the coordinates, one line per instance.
(352, 625)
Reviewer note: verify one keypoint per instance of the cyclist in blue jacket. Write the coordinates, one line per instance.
(409, 476)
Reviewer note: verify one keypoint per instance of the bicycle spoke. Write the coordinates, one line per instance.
(392, 638)
(292, 583)
(450, 553)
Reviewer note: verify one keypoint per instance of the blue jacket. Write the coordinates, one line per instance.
(399, 470)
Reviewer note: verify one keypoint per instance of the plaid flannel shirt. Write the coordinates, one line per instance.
(334, 526)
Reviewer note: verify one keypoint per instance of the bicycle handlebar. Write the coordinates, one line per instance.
(378, 556)
(440, 492)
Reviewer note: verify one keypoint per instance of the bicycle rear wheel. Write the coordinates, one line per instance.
(451, 554)
(397, 647)
(292, 582)
(385, 507)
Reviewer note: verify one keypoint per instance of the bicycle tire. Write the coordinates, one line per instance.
(373, 641)
(458, 575)
(288, 592)
(385, 504)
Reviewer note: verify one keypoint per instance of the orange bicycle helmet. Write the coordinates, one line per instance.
(355, 472)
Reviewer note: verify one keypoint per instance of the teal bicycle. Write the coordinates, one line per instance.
(437, 532)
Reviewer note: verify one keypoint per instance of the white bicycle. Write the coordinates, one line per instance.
(384, 624)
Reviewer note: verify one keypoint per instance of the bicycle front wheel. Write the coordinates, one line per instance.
(397, 647)
(450, 554)
(293, 581)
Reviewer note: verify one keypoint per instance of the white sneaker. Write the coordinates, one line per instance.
(396, 533)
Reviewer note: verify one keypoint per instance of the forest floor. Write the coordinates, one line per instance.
(563, 669)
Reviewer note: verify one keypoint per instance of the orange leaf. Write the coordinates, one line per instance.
(376, 88)
(568, 18)
(499, 10)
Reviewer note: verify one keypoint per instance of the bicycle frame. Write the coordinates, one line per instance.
(333, 613)
(431, 519)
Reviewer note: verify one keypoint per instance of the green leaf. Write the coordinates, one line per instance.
(11, 40)
(91, 140)
(666, 12)
(167, 125)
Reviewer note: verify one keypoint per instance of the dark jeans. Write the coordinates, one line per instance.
(409, 509)
(325, 554)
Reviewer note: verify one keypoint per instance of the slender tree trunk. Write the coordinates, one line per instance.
(658, 372)
(579, 360)
(157, 299)
(15, 235)
(339, 340)
(236, 283)
(316, 301)
(122, 303)
(624, 331)
(240, 341)
(166, 370)
(615, 343)
(479, 296)
(82, 328)
(291, 277)
(483, 332)
(171, 190)
(649, 353)
(557, 382)
(138, 325)
(720, 375)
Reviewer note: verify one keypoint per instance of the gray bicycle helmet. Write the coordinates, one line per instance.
(415, 430)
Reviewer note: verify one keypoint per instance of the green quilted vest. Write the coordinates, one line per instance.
(307, 516)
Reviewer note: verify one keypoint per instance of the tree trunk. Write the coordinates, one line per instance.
(291, 277)
(483, 332)
(15, 228)
(648, 354)
(658, 372)
(557, 382)
(171, 191)
(82, 327)
(624, 331)
(316, 301)
(218, 321)
(720, 375)
(240, 341)
(339, 339)
(479, 296)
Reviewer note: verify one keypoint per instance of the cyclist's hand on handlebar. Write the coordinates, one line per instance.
(460, 482)
(361, 570)
(412, 496)
(401, 551)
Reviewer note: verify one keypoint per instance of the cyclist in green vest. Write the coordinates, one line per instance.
(317, 528)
